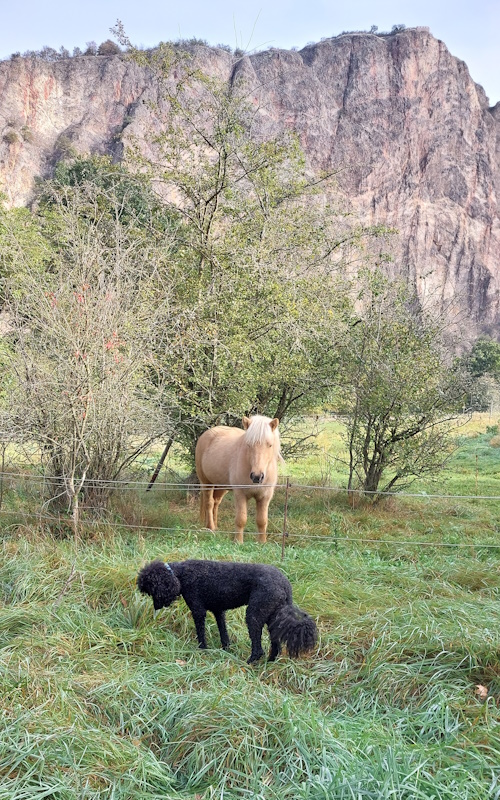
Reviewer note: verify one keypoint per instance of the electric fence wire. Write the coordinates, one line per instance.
(123, 485)
(274, 535)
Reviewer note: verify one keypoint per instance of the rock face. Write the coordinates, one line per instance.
(410, 132)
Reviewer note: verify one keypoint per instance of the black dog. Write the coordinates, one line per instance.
(218, 585)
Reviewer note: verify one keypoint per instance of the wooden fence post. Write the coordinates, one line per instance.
(285, 519)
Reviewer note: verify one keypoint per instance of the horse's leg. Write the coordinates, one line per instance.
(208, 502)
(241, 515)
(218, 495)
(262, 504)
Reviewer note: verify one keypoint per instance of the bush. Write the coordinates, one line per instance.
(108, 48)
(10, 137)
(27, 133)
(64, 148)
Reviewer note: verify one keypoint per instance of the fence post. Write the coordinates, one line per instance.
(285, 519)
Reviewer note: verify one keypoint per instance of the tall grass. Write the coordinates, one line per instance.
(103, 699)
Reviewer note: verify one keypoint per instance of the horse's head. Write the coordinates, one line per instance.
(263, 443)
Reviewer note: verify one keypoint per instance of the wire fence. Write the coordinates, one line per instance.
(183, 486)
(24, 501)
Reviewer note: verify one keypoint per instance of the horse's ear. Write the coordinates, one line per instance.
(246, 423)
(274, 423)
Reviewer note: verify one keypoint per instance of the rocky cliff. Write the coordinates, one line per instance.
(413, 138)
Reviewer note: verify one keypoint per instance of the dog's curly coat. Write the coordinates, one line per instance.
(217, 586)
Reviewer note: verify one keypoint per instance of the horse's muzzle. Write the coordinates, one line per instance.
(257, 477)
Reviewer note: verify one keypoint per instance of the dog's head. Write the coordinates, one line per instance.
(158, 580)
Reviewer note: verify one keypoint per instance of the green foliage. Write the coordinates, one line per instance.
(22, 245)
(134, 203)
(484, 358)
(398, 390)
(259, 291)
(64, 148)
(482, 363)
(10, 137)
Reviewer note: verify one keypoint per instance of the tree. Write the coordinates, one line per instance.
(482, 363)
(258, 292)
(483, 358)
(80, 319)
(397, 390)
(108, 48)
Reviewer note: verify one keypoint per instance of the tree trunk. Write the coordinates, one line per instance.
(160, 463)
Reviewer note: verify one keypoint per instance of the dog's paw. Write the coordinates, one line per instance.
(255, 657)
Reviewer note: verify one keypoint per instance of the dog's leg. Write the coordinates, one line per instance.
(275, 650)
(254, 625)
(199, 621)
(241, 515)
(220, 618)
(262, 504)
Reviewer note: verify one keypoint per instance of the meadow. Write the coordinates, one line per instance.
(103, 699)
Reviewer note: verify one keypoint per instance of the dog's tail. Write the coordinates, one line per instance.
(294, 628)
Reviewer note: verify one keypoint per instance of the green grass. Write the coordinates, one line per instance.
(103, 700)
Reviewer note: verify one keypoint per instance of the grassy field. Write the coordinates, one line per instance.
(101, 699)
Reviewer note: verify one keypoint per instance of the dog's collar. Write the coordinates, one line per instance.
(168, 567)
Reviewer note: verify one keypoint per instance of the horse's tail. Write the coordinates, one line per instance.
(294, 628)
(203, 494)
(203, 505)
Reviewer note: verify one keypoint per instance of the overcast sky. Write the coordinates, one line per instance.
(469, 28)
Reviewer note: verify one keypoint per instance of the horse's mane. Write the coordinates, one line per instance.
(259, 430)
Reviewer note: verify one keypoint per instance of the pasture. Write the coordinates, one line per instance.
(100, 699)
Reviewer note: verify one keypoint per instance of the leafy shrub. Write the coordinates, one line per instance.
(27, 133)
(64, 148)
(108, 48)
(10, 137)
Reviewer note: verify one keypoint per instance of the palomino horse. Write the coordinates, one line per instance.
(245, 461)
